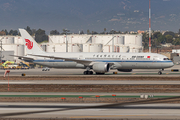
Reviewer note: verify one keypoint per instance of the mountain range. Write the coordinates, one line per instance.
(95, 15)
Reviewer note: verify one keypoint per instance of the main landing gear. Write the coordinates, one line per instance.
(88, 72)
(99, 73)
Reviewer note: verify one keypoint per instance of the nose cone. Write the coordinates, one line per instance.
(171, 64)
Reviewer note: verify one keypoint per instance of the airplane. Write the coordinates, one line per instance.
(100, 63)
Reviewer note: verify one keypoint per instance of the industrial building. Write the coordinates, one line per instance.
(95, 43)
(78, 43)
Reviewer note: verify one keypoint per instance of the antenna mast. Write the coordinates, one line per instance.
(149, 26)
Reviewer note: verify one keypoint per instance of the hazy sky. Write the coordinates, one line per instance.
(95, 15)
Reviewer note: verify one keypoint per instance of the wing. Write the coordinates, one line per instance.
(84, 62)
(81, 61)
(24, 57)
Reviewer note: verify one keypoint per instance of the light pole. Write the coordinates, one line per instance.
(113, 40)
(1, 50)
(65, 30)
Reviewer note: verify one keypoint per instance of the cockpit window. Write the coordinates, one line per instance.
(166, 59)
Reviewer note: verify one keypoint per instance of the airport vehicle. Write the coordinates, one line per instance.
(9, 65)
(24, 65)
(100, 63)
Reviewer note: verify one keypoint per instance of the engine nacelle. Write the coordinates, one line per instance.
(125, 70)
(101, 67)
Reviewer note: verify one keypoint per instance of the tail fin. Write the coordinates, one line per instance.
(30, 44)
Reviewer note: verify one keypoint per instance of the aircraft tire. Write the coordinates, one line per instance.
(159, 73)
(99, 73)
(85, 72)
(88, 72)
(91, 72)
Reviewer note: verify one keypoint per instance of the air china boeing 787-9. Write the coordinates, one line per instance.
(100, 63)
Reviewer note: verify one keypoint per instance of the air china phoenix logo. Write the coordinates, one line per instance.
(29, 44)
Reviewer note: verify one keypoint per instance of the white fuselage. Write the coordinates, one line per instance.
(120, 60)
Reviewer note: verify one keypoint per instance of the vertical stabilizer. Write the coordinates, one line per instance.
(30, 44)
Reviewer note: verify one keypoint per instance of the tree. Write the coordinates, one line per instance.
(112, 32)
(145, 39)
(28, 29)
(104, 31)
(2, 33)
(13, 32)
(126, 32)
(169, 33)
(5, 32)
(176, 41)
(81, 32)
(94, 32)
(169, 38)
(10, 32)
(54, 32)
(156, 34)
(40, 36)
(88, 31)
(33, 32)
(161, 39)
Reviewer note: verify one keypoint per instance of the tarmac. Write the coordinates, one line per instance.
(79, 72)
(81, 110)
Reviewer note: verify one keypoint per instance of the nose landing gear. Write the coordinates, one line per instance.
(160, 72)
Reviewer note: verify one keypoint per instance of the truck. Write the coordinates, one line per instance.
(9, 65)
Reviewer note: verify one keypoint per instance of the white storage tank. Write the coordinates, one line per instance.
(108, 48)
(138, 40)
(117, 49)
(129, 39)
(132, 49)
(124, 49)
(20, 50)
(44, 47)
(95, 39)
(135, 49)
(96, 47)
(120, 40)
(7, 47)
(50, 48)
(86, 47)
(74, 39)
(80, 39)
(57, 39)
(77, 48)
(50, 39)
(107, 39)
(62, 47)
(8, 40)
(18, 40)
